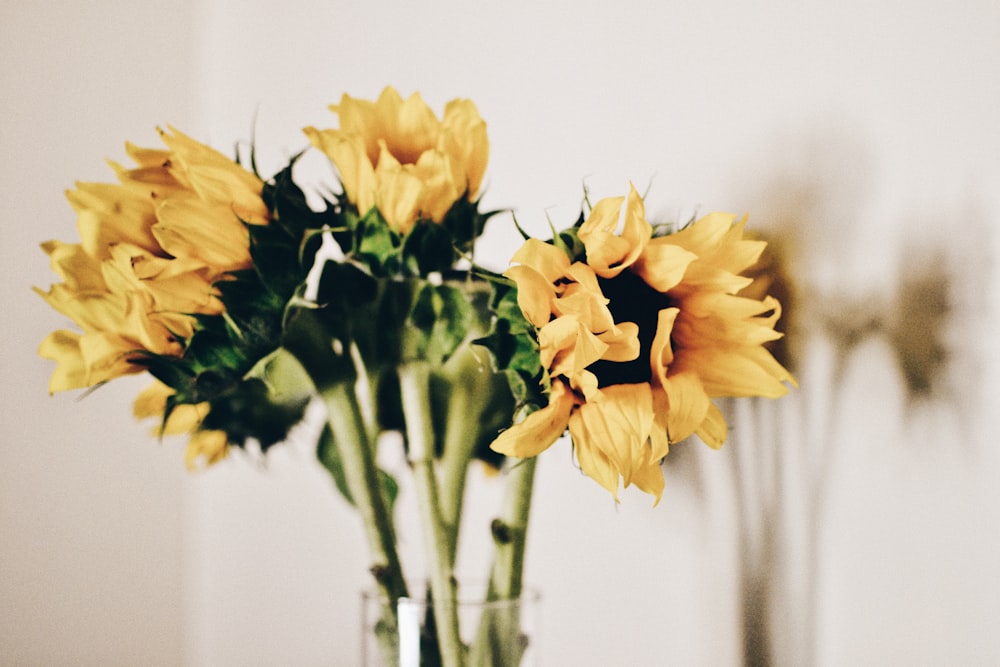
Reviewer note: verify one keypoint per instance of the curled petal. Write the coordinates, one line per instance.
(539, 429)
(622, 341)
(567, 347)
(583, 297)
(607, 252)
(543, 257)
(534, 294)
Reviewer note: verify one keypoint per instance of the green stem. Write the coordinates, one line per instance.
(510, 532)
(358, 460)
(413, 382)
(499, 639)
(459, 441)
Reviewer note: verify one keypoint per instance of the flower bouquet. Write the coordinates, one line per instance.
(247, 301)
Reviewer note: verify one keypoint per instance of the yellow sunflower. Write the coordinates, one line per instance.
(397, 155)
(151, 247)
(638, 336)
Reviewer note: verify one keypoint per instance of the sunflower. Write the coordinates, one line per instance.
(397, 155)
(151, 248)
(638, 334)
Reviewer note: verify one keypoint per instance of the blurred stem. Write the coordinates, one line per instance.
(464, 416)
(335, 374)
(510, 532)
(499, 639)
(358, 460)
(414, 389)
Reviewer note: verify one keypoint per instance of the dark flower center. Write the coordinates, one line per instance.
(631, 300)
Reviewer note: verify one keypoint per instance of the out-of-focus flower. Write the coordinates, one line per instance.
(397, 155)
(638, 334)
(205, 447)
(150, 249)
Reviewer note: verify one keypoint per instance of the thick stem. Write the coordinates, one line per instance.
(413, 382)
(510, 532)
(358, 460)
(334, 374)
(499, 639)
(459, 441)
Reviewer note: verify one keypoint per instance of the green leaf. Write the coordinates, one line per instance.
(464, 223)
(428, 248)
(377, 245)
(276, 258)
(247, 410)
(439, 322)
(329, 457)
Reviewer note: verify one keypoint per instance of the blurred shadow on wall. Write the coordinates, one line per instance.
(843, 277)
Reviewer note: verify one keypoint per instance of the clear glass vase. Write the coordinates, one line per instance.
(499, 633)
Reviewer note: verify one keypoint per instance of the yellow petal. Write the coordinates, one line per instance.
(594, 462)
(534, 294)
(713, 429)
(611, 437)
(63, 347)
(539, 429)
(584, 298)
(566, 346)
(658, 440)
(745, 372)
(622, 342)
(213, 235)
(206, 448)
(608, 253)
(648, 478)
(78, 270)
(688, 404)
(439, 189)
(662, 264)
(464, 139)
(412, 131)
(398, 195)
(543, 257)
(353, 162)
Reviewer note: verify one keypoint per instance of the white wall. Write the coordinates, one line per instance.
(91, 528)
(862, 136)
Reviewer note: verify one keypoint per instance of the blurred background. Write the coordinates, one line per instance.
(856, 521)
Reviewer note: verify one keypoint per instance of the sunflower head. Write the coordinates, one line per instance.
(398, 156)
(636, 331)
(151, 247)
